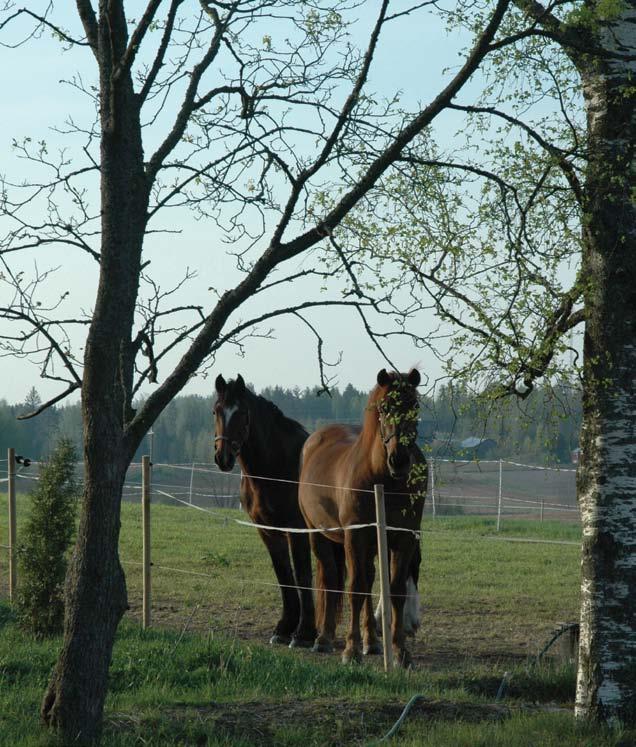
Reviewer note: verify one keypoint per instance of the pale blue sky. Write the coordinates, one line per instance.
(411, 57)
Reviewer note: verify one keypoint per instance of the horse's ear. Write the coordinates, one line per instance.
(414, 377)
(220, 384)
(240, 386)
(383, 378)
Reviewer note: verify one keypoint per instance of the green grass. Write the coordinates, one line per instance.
(202, 689)
(205, 676)
(211, 574)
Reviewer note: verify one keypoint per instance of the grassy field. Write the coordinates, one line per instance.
(205, 675)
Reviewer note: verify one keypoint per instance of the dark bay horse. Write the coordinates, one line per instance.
(340, 465)
(267, 445)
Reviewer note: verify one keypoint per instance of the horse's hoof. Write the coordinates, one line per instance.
(403, 658)
(351, 656)
(321, 647)
(280, 640)
(301, 642)
(373, 649)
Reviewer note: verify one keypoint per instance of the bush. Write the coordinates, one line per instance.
(42, 555)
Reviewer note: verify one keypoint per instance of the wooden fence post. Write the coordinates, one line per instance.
(12, 524)
(433, 485)
(499, 498)
(383, 559)
(145, 513)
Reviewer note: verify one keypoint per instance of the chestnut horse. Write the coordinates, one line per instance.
(340, 466)
(267, 445)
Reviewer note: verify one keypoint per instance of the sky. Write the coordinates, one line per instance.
(411, 58)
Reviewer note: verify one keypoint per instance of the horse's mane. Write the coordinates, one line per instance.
(268, 413)
(371, 422)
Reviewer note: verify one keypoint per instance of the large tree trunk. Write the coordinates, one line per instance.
(96, 601)
(606, 687)
(96, 589)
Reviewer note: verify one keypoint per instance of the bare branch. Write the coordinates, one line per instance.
(42, 21)
(188, 104)
(49, 403)
(324, 380)
(161, 52)
(345, 112)
(403, 138)
(136, 39)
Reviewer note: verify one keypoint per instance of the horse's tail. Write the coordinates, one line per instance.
(326, 585)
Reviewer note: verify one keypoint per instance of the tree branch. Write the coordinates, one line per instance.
(161, 52)
(559, 155)
(43, 21)
(393, 152)
(137, 37)
(188, 104)
(49, 403)
(89, 21)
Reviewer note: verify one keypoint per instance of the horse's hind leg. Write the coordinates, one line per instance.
(276, 543)
(399, 572)
(412, 613)
(412, 606)
(305, 633)
(328, 596)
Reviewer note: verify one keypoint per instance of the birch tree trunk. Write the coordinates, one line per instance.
(606, 685)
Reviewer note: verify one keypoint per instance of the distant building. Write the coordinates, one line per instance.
(477, 448)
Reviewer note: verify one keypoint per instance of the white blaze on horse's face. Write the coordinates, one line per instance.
(227, 414)
(226, 442)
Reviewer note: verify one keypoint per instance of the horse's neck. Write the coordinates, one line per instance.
(255, 457)
(372, 465)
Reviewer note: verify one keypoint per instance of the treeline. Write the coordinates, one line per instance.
(543, 429)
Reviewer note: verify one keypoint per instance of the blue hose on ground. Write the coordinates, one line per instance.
(398, 723)
(502, 687)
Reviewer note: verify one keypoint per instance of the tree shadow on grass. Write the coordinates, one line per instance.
(7, 615)
(545, 683)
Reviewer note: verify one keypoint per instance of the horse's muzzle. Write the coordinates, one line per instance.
(225, 462)
(399, 464)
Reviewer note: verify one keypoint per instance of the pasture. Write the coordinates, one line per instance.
(205, 675)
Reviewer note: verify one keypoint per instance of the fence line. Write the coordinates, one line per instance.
(292, 530)
(260, 582)
(439, 502)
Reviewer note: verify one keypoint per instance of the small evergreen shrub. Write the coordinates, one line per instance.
(42, 555)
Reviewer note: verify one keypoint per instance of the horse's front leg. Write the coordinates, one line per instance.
(371, 643)
(399, 573)
(305, 633)
(276, 543)
(356, 548)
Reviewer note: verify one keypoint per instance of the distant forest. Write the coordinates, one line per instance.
(543, 429)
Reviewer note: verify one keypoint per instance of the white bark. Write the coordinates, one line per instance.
(606, 682)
